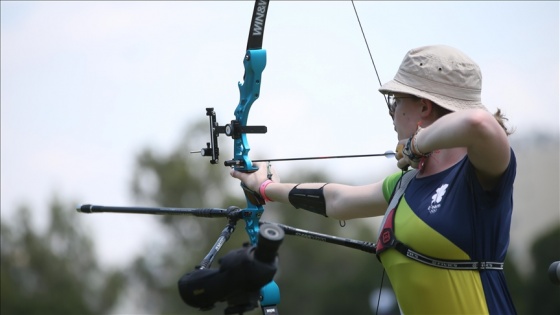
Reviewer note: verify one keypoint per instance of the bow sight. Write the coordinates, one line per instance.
(235, 130)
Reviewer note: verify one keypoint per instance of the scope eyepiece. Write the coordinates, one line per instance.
(270, 238)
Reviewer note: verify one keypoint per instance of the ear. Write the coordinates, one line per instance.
(427, 108)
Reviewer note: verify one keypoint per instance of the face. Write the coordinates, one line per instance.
(405, 110)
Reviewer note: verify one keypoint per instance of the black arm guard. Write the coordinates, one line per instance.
(310, 199)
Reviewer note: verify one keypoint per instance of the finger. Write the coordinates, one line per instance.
(398, 151)
(403, 163)
(236, 174)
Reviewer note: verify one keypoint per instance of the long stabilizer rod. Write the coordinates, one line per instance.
(199, 212)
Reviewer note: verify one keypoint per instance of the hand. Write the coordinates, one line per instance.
(403, 161)
(255, 179)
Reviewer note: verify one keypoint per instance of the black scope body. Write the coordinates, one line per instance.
(270, 238)
(554, 272)
(242, 273)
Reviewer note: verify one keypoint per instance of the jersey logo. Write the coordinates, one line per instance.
(436, 199)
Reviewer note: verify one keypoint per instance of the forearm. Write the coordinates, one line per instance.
(337, 201)
(467, 129)
(478, 131)
(279, 192)
(342, 202)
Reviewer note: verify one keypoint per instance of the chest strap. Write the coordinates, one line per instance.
(387, 239)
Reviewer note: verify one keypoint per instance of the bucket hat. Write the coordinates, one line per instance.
(441, 74)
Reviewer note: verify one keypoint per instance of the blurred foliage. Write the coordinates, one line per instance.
(314, 277)
(179, 180)
(55, 272)
(542, 297)
(327, 280)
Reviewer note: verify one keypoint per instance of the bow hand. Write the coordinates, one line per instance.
(253, 180)
(253, 196)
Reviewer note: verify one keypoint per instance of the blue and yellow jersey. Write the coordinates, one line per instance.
(449, 216)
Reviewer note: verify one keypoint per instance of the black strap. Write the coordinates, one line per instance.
(448, 264)
(387, 239)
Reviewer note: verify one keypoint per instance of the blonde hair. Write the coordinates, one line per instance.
(501, 119)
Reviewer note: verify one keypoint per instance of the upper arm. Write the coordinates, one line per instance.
(351, 202)
(489, 150)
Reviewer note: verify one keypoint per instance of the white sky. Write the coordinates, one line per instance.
(86, 85)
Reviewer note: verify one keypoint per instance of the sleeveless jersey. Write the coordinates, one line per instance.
(449, 216)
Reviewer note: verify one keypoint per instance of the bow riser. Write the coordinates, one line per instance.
(249, 91)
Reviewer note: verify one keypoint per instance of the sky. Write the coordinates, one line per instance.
(85, 86)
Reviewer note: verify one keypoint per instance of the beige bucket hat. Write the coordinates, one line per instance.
(441, 74)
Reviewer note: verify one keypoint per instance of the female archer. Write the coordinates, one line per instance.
(446, 223)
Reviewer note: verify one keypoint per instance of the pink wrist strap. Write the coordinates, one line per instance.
(262, 190)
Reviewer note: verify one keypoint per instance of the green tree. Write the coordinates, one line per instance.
(179, 180)
(516, 285)
(542, 295)
(55, 272)
(314, 278)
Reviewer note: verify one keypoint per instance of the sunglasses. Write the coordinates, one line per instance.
(392, 103)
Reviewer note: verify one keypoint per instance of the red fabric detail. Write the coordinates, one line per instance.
(386, 238)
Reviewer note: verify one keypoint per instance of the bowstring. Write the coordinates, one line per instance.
(367, 45)
(368, 49)
(386, 101)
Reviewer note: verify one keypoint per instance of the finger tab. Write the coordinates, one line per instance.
(398, 151)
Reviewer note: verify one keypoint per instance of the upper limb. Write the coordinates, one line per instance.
(343, 202)
(476, 130)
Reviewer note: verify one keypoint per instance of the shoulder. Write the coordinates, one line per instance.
(390, 182)
(504, 181)
(488, 150)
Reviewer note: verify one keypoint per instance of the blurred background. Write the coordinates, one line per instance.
(101, 103)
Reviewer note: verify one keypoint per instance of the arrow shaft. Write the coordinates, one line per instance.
(326, 157)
